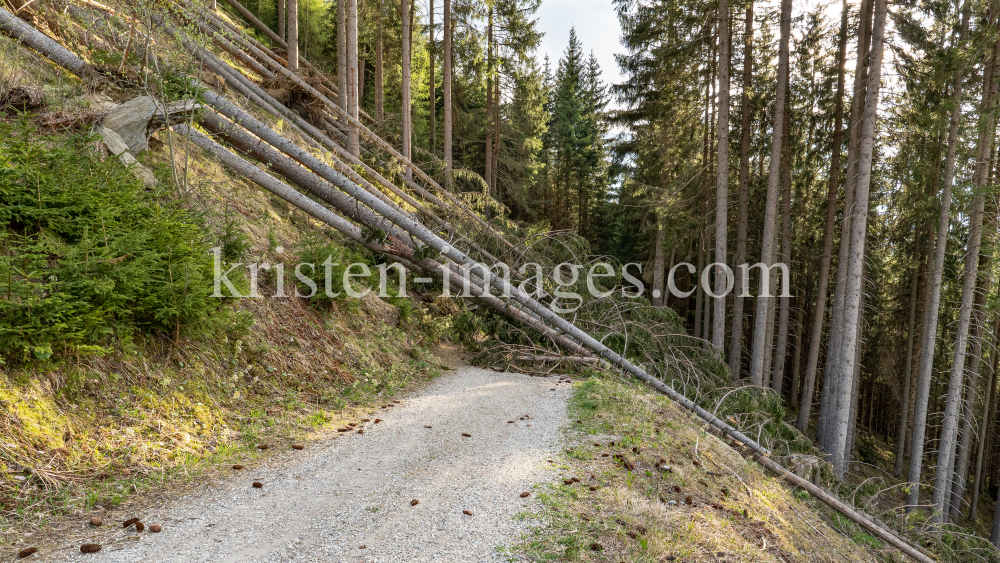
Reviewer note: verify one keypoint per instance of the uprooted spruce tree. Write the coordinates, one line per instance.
(790, 207)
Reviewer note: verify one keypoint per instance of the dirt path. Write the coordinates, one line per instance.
(325, 503)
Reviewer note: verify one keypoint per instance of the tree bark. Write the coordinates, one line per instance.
(292, 54)
(343, 97)
(432, 86)
(659, 298)
(859, 224)
(379, 78)
(488, 161)
(405, 133)
(971, 389)
(736, 342)
(949, 427)
(722, 179)
(353, 90)
(904, 397)
(822, 288)
(698, 302)
(778, 378)
(930, 328)
(800, 321)
(446, 67)
(282, 32)
(837, 326)
(706, 321)
(767, 254)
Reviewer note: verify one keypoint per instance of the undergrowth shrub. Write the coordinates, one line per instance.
(87, 253)
(324, 262)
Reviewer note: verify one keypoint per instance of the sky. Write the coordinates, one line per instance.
(596, 26)
(598, 29)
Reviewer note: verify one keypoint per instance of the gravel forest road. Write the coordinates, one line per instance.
(349, 498)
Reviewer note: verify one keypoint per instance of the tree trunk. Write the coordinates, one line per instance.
(985, 432)
(800, 322)
(432, 86)
(670, 266)
(837, 326)
(659, 298)
(859, 224)
(488, 161)
(855, 379)
(706, 321)
(822, 288)
(496, 136)
(292, 54)
(930, 328)
(736, 342)
(698, 292)
(904, 397)
(353, 135)
(761, 345)
(282, 32)
(405, 135)
(722, 179)
(768, 344)
(446, 102)
(949, 427)
(361, 81)
(778, 378)
(971, 389)
(379, 78)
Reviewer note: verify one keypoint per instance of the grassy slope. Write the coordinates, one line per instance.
(711, 505)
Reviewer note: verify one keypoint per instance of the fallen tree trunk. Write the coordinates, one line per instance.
(18, 29)
(242, 84)
(353, 176)
(274, 37)
(399, 251)
(285, 166)
(853, 515)
(575, 359)
(351, 121)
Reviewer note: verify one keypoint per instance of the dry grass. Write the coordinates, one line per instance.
(710, 505)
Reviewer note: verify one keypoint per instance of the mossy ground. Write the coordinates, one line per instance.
(710, 505)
